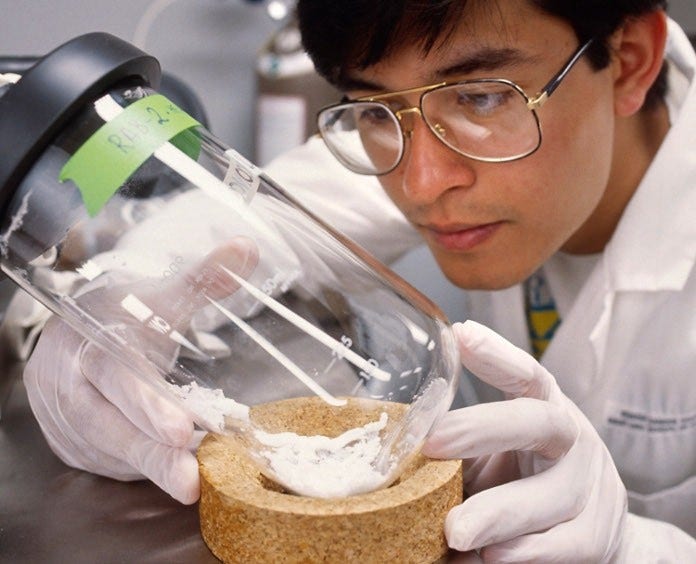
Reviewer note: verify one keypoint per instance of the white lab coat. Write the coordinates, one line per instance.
(626, 351)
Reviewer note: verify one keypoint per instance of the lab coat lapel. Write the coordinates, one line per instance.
(577, 350)
(576, 354)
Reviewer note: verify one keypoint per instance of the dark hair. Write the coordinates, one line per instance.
(339, 35)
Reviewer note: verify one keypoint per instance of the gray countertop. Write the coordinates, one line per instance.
(52, 513)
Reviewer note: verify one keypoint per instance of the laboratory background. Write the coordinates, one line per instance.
(242, 63)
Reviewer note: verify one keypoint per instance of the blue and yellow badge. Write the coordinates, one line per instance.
(542, 315)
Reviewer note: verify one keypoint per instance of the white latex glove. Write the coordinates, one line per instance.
(94, 410)
(542, 484)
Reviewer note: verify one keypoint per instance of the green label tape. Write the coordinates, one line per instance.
(117, 149)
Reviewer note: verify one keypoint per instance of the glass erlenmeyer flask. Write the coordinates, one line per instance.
(173, 254)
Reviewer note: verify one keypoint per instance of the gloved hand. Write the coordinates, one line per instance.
(96, 412)
(542, 484)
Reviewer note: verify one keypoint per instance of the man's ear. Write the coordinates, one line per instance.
(637, 55)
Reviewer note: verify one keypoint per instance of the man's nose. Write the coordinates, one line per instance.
(429, 168)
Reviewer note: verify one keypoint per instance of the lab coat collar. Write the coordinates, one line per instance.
(654, 245)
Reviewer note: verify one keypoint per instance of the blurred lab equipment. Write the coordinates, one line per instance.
(289, 91)
(171, 86)
(171, 253)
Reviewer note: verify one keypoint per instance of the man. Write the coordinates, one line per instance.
(592, 210)
(602, 200)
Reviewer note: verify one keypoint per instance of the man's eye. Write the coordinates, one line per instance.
(374, 115)
(483, 103)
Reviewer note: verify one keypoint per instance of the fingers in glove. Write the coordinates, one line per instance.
(586, 538)
(57, 421)
(174, 470)
(501, 364)
(519, 424)
(529, 505)
(139, 402)
(89, 433)
(516, 508)
(558, 544)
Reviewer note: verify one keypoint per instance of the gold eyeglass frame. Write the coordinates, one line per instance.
(533, 104)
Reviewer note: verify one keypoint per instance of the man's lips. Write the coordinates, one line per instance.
(461, 237)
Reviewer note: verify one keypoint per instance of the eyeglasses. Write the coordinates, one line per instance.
(490, 120)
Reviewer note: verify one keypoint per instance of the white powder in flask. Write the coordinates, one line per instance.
(325, 467)
(210, 406)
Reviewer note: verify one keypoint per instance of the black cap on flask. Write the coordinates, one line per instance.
(35, 109)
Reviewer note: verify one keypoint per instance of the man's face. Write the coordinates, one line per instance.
(490, 225)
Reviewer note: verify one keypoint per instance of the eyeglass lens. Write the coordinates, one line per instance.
(485, 120)
(365, 136)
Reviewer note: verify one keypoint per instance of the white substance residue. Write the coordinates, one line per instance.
(15, 224)
(211, 406)
(320, 466)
